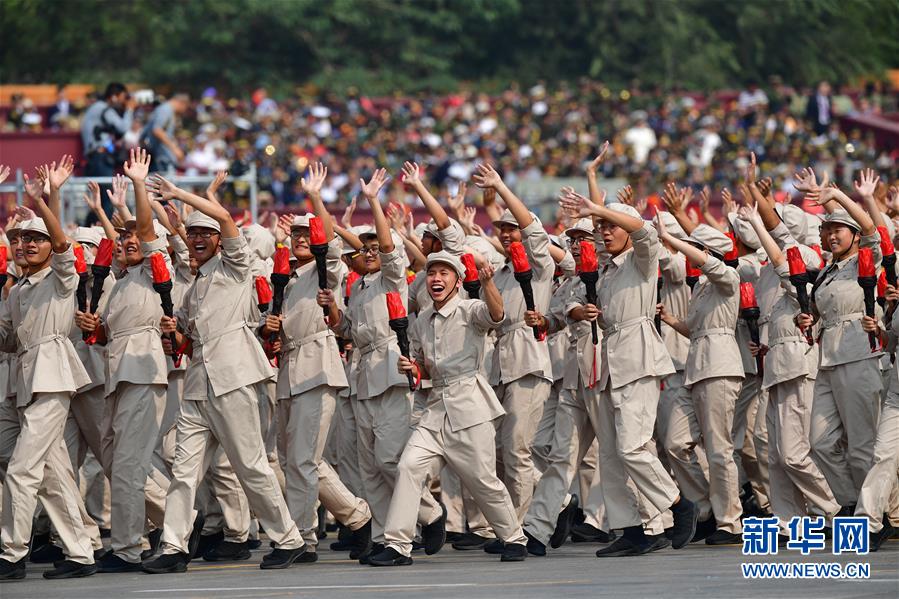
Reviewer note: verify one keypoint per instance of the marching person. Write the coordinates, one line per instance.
(457, 426)
(310, 377)
(219, 407)
(383, 406)
(138, 374)
(633, 361)
(35, 322)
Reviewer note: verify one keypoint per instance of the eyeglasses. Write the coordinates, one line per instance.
(606, 226)
(298, 233)
(370, 250)
(35, 238)
(200, 234)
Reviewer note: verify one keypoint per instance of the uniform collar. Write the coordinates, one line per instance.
(35, 278)
(209, 266)
(619, 259)
(450, 306)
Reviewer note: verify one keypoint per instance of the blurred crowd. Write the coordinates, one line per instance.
(544, 131)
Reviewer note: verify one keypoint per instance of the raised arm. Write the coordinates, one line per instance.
(370, 190)
(312, 185)
(866, 187)
(486, 176)
(489, 291)
(696, 256)
(117, 195)
(220, 178)
(596, 195)
(752, 216)
(412, 178)
(161, 187)
(136, 169)
(581, 207)
(858, 214)
(349, 238)
(94, 203)
(676, 201)
(58, 238)
(57, 175)
(705, 197)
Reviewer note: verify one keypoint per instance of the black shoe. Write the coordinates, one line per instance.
(342, 545)
(579, 516)
(361, 538)
(586, 533)
(226, 551)
(205, 543)
(321, 532)
(433, 536)
(193, 543)
(514, 552)
(12, 570)
(563, 524)
(624, 547)
(253, 544)
(389, 557)
(105, 533)
(452, 537)
(100, 554)
(279, 559)
(704, 529)
(686, 516)
(47, 554)
(37, 541)
(534, 546)
(70, 569)
(113, 564)
(494, 547)
(417, 545)
(310, 557)
(375, 549)
(471, 541)
(847, 510)
(153, 539)
(171, 563)
(722, 537)
(876, 539)
(658, 542)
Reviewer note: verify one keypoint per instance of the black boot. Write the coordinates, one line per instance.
(153, 538)
(686, 516)
(704, 529)
(534, 546)
(171, 563)
(113, 564)
(494, 547)
(513, 552)
(471, 541)
(47, 554)
(226, 551)
(433, 536)
(361, 540)
(193, 543)
(374, 549)
(205, 543)
(586, 533)
(563, 523)
(279, 559)
(389, 557)
(634, 542)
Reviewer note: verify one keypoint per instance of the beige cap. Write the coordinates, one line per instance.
(36, 225)
(443, 257)
(671, 225)
(744, 231)
(301, 221)
(794, 218)
(198, 219)
(506, 218)
(841, 217)
(813, 233)
(583, 225)
(88, 235)
(711, 239)
(624, 209)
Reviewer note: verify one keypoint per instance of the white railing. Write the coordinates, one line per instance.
(74, 209)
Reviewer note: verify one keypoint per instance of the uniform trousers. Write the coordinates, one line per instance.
(844, 423)
(231, 421)
(471, 453)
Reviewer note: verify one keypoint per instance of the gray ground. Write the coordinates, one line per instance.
(571, 571)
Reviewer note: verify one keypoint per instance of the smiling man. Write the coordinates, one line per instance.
(448, 341)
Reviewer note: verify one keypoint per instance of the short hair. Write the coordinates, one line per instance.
(114, 89)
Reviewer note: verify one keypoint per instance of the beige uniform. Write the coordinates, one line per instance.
(522, 371)
(219, 407)
(456, 427)
(310, 377)
(136, 395)
(35, 322)
(383, 407)
(576, 416)
(847, 391)
(633, 362)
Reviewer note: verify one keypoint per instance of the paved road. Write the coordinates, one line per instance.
(698, 571)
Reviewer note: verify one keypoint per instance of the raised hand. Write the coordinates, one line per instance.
(749, 214)
(485, 177)
(347, 219)
(673, 199)
(594, 164)
(411, 174)
(161, 187)
(59, 174)
(34, 188)
(213, 187)
(138, 165)
(660, 225)
(728, 201)
(764, 186)
(119, 191)
(750, 168)
(174, 216)
(24, 213)
(625, 195)
(396, 216)
(312, 184)
(4, 173)
(282, 231)
(867, 183)
(576, 204)
(705, 197)
(457, 203)
(93, 198)
(467, 216)
(805, 181)
(372, 188)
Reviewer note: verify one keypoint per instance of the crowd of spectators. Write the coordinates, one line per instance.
(543, 131)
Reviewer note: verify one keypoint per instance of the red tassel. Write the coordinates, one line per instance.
(160, 269)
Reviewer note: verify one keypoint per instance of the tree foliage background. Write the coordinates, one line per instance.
(385, 45)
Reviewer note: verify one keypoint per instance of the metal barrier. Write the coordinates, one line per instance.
(74, 210)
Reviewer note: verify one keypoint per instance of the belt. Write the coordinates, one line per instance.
(297, 343)
(449, 380)
(134, 331)
(364, 350)
(614, 328)
(513, 327)
(713, 331)
(220, 333)
(829, 324)
(787, 338)
(26, 347)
